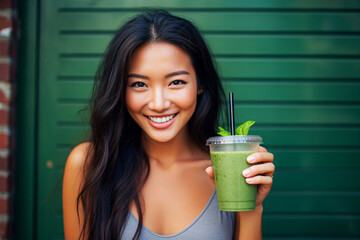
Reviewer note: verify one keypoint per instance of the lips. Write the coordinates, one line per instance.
(163, 121)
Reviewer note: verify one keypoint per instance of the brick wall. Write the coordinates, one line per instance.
(7, 85)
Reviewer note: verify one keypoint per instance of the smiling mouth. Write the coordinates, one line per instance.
(161, 119)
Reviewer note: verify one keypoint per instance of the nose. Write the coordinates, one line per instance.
(159, 101)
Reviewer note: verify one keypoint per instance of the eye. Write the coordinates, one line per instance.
(178, 82)
(138, 85)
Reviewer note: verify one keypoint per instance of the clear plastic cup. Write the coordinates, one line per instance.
(228, 157)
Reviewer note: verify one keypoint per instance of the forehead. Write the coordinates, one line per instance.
(161, 56)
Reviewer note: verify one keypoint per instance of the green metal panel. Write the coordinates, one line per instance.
(232, 44)
(218, 21)
(214, 4)
(243, 67)
(49, 218)
(26, 88)
(294, 67)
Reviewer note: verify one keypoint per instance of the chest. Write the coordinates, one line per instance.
(211, 224)
(171, 201)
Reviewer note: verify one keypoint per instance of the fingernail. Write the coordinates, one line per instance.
(251, 158)
(249, 180)
(246, 172)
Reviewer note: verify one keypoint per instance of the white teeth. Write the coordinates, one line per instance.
(161, 119)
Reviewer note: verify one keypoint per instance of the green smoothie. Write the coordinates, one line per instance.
(233, 193)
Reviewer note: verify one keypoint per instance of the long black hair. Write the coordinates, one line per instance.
(117, 165)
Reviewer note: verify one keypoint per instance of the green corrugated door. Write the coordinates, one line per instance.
(294, 67)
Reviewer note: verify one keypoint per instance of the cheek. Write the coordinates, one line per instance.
(188, 100)
(133, 103)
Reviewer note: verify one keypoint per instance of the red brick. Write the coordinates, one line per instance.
(5, 230)
(4, 206)
(5, 4)
(8, 50)
(4, 140)
(5, 22)
(4, 71)
(4, 117)
(4, 163)
(4, 48)
(4, 183)
(12, 123)
(4, 98)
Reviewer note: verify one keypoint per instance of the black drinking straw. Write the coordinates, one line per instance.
(232, 117)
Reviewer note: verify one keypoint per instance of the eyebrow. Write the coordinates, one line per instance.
(167, 76)
(177, 73)
(137, 76)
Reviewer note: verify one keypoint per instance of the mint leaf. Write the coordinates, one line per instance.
(223, 132)
(243, 129)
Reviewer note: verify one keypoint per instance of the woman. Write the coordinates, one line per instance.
(146, 173)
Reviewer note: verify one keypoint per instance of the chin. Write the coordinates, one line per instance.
(161, 137)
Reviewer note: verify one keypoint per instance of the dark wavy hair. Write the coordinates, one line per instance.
(117, 165)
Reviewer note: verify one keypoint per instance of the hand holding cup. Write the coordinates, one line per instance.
(261, 172)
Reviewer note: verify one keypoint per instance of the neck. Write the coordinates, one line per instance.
(167, 154)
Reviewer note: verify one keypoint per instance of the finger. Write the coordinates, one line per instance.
(261, 149)
(210, 172)
(264, 169)
(259, 157)
(260, 180)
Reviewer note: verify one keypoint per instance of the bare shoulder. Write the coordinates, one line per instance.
(78, 155)
(73, 176)
(74, 169)
(75, 164)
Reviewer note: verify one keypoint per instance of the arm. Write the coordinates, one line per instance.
(248, 225)
(71, 185)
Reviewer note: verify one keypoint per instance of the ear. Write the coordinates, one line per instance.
(200, 91)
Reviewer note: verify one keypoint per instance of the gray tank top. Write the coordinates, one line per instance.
(211, 224)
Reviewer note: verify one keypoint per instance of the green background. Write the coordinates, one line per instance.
(294, 67)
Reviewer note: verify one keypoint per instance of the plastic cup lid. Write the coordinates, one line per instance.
(234, 139)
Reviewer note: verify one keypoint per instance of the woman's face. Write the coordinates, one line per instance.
(161, 91)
